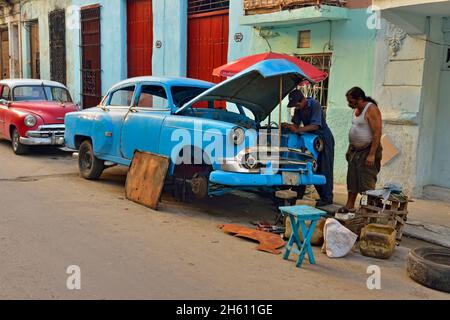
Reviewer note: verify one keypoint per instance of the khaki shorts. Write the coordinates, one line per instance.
(361, 178)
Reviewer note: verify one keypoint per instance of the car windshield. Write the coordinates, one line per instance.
(41, 93)
(181, 95)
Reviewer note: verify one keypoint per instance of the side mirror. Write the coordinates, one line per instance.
(4, 102)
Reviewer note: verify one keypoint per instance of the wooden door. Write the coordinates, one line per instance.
(35, 55)
(139, 37)
(208, 27)
(91, 67)
(4, 56)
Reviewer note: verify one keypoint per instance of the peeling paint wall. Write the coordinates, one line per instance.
(409, 85)
(39, 10)
(398, 88)
(10, 19)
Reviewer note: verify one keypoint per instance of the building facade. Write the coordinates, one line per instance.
(413, 85)
(397, 51)
(10, 40)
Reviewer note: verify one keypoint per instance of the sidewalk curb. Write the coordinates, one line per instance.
(432, 233)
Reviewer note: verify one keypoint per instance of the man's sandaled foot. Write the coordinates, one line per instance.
(345, 210)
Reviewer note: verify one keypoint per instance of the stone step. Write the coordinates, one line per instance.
(436, 193)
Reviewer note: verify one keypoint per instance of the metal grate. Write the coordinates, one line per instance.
(318, 91)
(57, 26)
(91, 56)
(203, 6)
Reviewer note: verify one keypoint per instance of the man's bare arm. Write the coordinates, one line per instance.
(376, 124)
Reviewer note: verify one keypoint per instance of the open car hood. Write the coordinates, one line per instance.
(257, 88)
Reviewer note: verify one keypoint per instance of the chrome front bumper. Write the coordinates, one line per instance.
(46, 135)
(269, 157)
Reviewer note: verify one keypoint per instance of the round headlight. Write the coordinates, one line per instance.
(250, 162)
(238, 136)
(319, 145)
(30, 120)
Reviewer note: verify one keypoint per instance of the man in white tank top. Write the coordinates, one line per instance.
(364, 153)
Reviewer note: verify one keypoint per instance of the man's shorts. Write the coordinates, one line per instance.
(360, 177)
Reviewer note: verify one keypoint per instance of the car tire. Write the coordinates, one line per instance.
(91, 168)
(18, 148)
(430, 267)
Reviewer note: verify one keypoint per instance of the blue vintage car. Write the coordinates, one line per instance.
(212, 134)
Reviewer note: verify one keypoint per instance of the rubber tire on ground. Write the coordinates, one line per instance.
(91, 168)
(430, 267)
(18, 148)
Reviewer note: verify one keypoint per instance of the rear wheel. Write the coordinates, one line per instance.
(90, 166)
(18, 148)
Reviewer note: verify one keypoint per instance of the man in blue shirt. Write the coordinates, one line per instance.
(309, 117)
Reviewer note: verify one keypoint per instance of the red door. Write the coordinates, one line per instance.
(139, 37)
(91, 65)
(207, 44)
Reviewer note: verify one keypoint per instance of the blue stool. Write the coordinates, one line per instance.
(299, 215)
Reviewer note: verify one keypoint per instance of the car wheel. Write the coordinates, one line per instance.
(18, 148)
(430, 267)
(90, 166)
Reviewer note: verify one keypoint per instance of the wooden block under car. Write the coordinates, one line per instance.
(145, 179)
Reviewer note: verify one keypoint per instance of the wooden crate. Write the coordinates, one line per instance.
(355, 225)
(393, 213)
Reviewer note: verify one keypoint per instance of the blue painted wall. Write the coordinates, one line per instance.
(170, 27)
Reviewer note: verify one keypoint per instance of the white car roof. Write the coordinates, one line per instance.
(30, 82)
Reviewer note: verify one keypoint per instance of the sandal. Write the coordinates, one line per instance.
(345, 210)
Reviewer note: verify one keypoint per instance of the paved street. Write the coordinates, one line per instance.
(51, 219)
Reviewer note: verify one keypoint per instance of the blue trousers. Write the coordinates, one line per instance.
(326, 167)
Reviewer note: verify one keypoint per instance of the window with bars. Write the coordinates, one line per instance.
(203, 6)
(319, 91)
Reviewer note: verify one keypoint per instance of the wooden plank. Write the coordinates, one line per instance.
(146, 177)
(389, 150)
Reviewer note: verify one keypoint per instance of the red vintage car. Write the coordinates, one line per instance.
(32, 113)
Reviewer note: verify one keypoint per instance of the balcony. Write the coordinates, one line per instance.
(267, 13)
(267, 6)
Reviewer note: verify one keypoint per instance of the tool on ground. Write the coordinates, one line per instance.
(298, 216)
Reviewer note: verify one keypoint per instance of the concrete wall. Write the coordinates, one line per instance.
(408, 87)
(398, 88)
(352, 45)
(440, 164)
(39, 10)
(10, 19)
